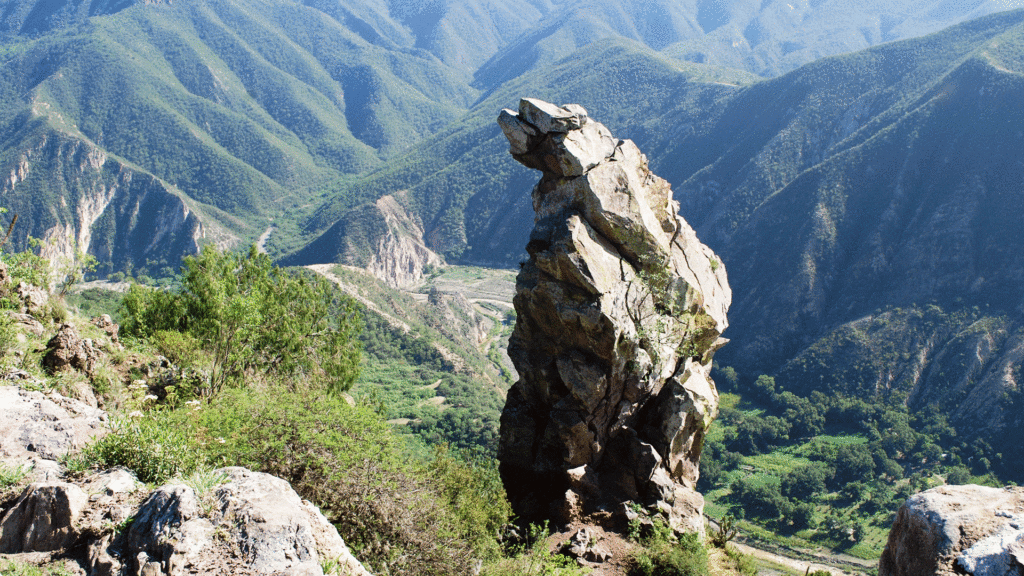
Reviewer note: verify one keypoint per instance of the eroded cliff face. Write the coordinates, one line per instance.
(620, 309)
(83, 199)
(400, 254)
(384, 237)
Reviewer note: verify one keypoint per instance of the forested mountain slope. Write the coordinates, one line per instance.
(864, 204)
(242, 114)
(242, 110)
(846, 197)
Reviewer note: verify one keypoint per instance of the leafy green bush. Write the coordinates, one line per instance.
(472, 488)
(250, 317)
(687, 557)
(347, 460)
(29, 267)
(155, 446)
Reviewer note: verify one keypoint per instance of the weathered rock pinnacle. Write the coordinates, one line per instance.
(620, 309)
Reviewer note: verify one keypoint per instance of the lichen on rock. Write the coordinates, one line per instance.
(620, 309)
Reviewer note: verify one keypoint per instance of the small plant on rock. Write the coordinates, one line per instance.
(11, 476)
(724, 532)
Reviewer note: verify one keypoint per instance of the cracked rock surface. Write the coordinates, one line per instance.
(620, 309)
(949, 530)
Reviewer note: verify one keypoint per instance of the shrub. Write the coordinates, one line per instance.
(154, 446)
(744, 563)
(534, 557)
(57, 310)
(687, 557)
(472, 488)
(726, 530)
(11, 475)
(348, 461)
(8, 335)
(250, 317)
(105, 380)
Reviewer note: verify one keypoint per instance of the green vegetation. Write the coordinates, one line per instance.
(403, 509)
(830, 470)
(663, 554)
(533, 557)
(17, 568)
(237, 315)
(11, 476)
(422, 362)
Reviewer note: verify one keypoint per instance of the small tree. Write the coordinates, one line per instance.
(250, 316)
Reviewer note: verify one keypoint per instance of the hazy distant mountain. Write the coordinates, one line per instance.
(766, 37)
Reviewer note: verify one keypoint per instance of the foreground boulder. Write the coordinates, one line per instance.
(69, 351)
(36, 429)
(43, 519)
(242, 522)
(950, 530)
(620, 309)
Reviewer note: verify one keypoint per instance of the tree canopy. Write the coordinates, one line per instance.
(238, 314)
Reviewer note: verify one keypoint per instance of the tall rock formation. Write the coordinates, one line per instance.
(620, 309)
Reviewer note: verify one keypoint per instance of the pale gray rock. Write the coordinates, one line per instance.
(105, 323)
(37, 426)
(34, 298)
(620, 310)
(548, 118)
(112, 482)
(271, 531)
(583, 149)
(401, 254)
(517, 131)
(950, 530)
(28, 322)
(42, 519)
(584, 546)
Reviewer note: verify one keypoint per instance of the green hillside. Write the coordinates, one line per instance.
(247, 109)
(473, 201)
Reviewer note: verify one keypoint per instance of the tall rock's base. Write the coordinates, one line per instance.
(620, 309)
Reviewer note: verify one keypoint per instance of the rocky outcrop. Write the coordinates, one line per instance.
(43, 519)
(105, 323)
(950, 530)
(69, 351)
(400, 255)
(384, 238)
(251, 523)
(620, 309)
(36, 429)
(110, 209)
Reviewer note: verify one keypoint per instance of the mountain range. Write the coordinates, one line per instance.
(865, 203)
